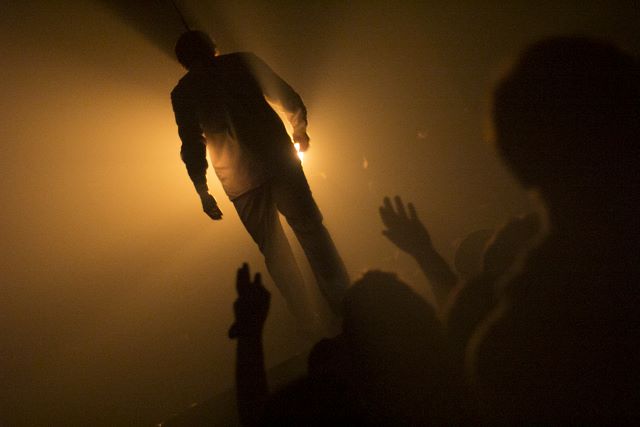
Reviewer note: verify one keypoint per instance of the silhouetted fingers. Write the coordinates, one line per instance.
(400, 207)
(412, 212)
(385, 216)
(387, 213)
(260, 291)
(215, 213)
(243, 279)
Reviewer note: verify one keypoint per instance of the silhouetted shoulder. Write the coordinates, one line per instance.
(185, 82)
(221, 66)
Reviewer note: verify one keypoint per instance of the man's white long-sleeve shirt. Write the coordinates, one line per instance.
(223, 105)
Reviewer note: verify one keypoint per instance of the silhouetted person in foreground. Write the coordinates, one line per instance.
(473, 299)
(482, 259)
(221, 104)
(400, 368)
(251, 309)
(406, 231)
(389, 367)
(562, 345)
(320, 398)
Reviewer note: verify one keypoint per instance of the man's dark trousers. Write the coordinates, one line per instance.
(288, 193)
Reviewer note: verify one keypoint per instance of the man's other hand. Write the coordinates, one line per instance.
(210, 206)
(303, 140)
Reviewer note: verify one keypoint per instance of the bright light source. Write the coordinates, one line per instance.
(300, 153)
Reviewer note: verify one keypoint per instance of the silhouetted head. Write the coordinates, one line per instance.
(508, 243)
(400, 363)
(328, 358)
(567, 116)
(380, 307)
(468, 257)
(194, 47)
(389, 329)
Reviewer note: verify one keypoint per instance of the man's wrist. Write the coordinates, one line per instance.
(202, 189)
(203, 194)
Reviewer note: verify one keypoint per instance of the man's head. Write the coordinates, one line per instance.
(194, 47)
(566, 117)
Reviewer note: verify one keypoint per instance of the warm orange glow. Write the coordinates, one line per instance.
(300, 153)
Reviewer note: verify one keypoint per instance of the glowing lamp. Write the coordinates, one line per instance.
(300, 153)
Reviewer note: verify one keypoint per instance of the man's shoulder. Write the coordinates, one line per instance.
(222, 64)
(191, 82)
(180, 86)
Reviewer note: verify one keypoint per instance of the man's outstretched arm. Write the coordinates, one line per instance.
(194, 151)
(281, 94)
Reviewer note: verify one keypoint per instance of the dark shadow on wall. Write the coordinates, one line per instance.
(160, 21)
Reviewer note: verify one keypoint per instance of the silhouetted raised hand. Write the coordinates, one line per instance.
(405, 231)
(251, 309)
(408, 233)
(252, 306)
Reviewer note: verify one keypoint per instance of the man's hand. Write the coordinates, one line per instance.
(303, 140)
(251, 307)
(210, 206)
(404, 231)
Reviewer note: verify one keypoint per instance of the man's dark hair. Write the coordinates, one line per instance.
(194, 46)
